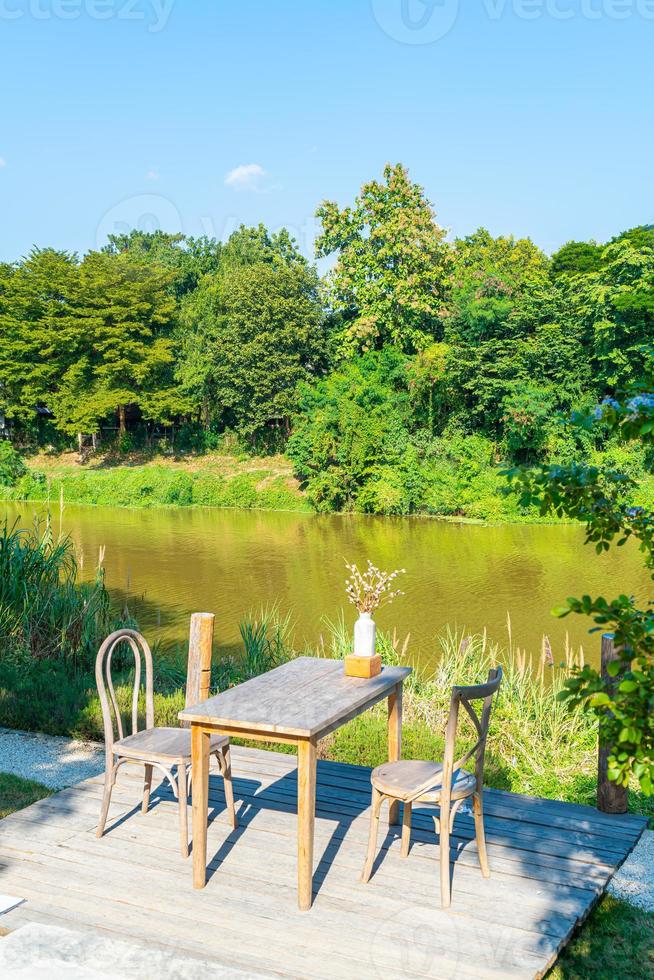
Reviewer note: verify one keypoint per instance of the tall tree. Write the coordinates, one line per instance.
(125, 314)
(39, 330)
(250, 334)
(189, 258)
(392, 264)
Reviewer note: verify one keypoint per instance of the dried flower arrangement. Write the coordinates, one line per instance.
(371, 589)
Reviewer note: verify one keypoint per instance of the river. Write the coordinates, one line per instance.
(167, 563)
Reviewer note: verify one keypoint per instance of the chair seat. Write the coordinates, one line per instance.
(401, 780)
(164, 744)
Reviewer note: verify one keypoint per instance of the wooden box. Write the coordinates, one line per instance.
(363, 666)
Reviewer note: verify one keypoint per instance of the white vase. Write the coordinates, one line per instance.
(364, 635)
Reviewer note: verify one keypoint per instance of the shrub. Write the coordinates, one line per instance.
(12, 467)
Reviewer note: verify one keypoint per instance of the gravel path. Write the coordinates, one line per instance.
(52, 760)
(63, 954)
(634, 882)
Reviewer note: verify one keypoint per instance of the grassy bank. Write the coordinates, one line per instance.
(460, 490)
(146, 480)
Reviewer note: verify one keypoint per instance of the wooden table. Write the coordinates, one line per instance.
(298, 704)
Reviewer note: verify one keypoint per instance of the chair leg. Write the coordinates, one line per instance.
(377, 799)
(147, 784)
(444, 835)
(225, 763)
(478, 810)
(109, 780)
(183, 808)
(406, 828)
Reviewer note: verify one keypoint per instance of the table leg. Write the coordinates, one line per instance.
(394, 744)
(306, 818)
(200, 745)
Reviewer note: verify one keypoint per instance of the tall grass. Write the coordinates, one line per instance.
(45, 613)
(536, 744)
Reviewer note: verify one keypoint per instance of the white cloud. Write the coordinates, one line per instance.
(152, 175)
(3, 162)
(245, 177)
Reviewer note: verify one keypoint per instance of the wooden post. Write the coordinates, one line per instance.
(394, 745)
(611, 798)
(200, 647)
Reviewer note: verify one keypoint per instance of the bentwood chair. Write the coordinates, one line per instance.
(164, 749)
(446, 784)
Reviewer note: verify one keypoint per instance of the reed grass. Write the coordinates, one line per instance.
(46, 614)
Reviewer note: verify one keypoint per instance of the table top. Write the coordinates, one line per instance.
(302, 698)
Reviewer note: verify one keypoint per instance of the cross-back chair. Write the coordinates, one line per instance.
(163, 749)
(446, 784)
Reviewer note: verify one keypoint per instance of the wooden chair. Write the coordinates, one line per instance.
(446, 783)
(154, 748)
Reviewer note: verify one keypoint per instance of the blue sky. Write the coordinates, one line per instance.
(527, 116)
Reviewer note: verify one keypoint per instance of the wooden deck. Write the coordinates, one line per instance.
(550, 862)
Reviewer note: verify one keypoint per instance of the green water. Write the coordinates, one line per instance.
(171, 562)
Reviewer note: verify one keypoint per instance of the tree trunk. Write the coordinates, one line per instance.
(611, 798)
(121, 420)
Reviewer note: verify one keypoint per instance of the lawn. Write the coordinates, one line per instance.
(616, 941)
(16, 793)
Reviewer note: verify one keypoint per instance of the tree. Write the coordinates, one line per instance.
(125, 314)
(252, 246)
(251, 334)
(576, 258)
(189, 258)
(392, 265)
(601, 499)
(40, 333)
(615, 308)
(352, 431)
(507, 325)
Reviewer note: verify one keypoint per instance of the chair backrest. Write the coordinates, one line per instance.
(110, 712)
(465, 696)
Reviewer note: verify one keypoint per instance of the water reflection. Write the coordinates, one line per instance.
(167, 563)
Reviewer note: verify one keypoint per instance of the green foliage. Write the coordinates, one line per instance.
(527, 420)
(356, 446)
(378, 374)
(12, 467)
(352, 427)
(601, 498)
(188, 258)
(390, 274)
(253, 333)
(153, 486)
(45, 614)
(576, 258)
(41, 340)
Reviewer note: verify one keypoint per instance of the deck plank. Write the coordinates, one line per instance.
(549, 861)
